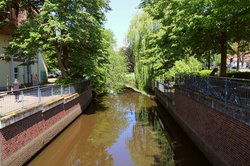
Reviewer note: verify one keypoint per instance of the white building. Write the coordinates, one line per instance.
(27, 72)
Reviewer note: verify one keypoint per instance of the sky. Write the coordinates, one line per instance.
(118, 19)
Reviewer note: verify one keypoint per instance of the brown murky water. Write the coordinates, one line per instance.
(128, 129)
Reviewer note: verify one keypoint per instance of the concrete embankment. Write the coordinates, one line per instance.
(23, 134)
(221, 132)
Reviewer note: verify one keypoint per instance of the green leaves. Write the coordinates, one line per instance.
(185, 28)
(190, 65)
(69, 33)
(195, 27)
(117, 70)
(142, 39)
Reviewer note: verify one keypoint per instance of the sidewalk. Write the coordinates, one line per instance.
(32, 96)
(8, 103)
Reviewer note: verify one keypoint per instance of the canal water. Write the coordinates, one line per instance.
(123, 130)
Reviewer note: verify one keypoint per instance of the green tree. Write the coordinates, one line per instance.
(29, 5)
(69, 33)
(196, 27)
(117, 70)
(141, 41)
(190, 65)
(97, 69)
(240, 48)
(64, 27)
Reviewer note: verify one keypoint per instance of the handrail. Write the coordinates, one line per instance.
(22, 98)
(229, 90)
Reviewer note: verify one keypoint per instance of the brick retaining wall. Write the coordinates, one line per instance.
(20, 140)
(223, 139)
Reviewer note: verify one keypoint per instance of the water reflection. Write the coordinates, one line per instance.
(148, 144)
(117, 130)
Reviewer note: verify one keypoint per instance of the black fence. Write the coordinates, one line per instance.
(229, 90)
(167, 88)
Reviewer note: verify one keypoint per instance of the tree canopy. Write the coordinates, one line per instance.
(168, 31)
(196, 27)
(68, 32)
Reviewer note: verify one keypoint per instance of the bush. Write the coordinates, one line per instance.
(64, 80)
(230, 73)
(204, 73)
(233, 71)
(191, 65)
(238, 74)
(130, 79)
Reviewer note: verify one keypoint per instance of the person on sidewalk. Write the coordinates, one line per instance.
(15, 87)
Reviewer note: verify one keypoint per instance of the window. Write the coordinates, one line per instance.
(16, 72)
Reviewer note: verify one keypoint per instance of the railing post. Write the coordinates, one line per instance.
(52, 90)
(61, 90)
(39, 95)
(69, 88)
(226, 91)
(22, 99)
(206, 84)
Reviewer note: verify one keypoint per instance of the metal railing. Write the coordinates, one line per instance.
(167, 88)
(22, 99)
(229, 90)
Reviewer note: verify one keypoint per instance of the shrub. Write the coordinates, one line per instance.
(204, 73)
(64, 80)
(191, 65)
(238, 74)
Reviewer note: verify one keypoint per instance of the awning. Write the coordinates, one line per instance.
(26, 63)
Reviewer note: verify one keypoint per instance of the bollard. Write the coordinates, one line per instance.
(69, 88)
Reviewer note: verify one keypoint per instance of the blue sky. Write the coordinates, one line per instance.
(118, 20)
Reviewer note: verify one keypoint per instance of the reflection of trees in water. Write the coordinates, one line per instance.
(93, 155)
(84, 152)
(73, 148)
(129, 98)
(87, 140)
(148, 145)
(109, 125)
(149, 140)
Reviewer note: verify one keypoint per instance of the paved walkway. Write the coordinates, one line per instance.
(9, 105)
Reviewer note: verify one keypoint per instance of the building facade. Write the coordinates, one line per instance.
(26, 71)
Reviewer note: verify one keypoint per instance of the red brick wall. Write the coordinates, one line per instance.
(228, 137)
(17, 135)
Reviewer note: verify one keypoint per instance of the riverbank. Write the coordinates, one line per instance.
(122, 129)
(140, 91)
(24, 133)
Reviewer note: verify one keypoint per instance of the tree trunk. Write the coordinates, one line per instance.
(65, 58)
(242, 60)
(238, 62)
(60, 60)
(223, 45)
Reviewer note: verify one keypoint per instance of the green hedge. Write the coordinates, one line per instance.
(204, 73)
(238, 74)
(65, 80)
(230, 73)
